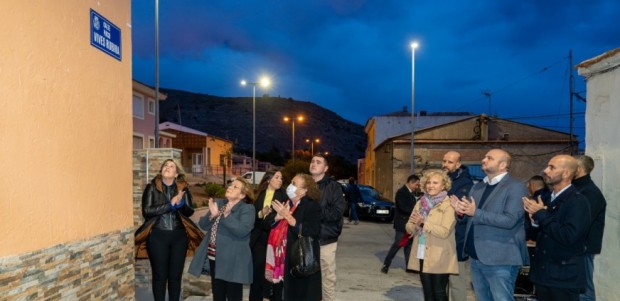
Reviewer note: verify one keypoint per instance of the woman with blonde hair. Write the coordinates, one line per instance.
(432, 225)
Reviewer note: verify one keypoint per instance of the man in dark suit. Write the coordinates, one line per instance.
(594, 239)
(405, 201)
(558, 273)
(495, 234)
(461, 184)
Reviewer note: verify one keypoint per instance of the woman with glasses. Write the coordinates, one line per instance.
(225, 251)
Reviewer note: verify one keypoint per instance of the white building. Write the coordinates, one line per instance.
(602, 74)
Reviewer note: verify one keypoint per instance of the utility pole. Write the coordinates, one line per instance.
(488, 94)
(571, 93)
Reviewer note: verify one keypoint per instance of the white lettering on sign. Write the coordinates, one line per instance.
(99, 39)
(112, 47)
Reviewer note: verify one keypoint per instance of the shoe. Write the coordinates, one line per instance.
(356, 222)
(385, 269)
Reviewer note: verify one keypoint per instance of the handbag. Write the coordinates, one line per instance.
(304, 260)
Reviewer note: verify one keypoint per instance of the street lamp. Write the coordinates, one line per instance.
(292, 120)
(312, 141)
(264, 82)
(414, 45)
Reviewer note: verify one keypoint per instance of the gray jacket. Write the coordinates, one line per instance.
(500, 235)
(232, 254)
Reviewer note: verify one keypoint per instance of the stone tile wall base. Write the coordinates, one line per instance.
(98, 268)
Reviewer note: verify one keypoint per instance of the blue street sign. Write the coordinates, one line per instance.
(104, 35)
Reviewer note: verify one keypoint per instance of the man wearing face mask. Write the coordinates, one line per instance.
(332, 208)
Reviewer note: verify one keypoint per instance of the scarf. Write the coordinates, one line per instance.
(276, 251)
(213, 236)
(427, 203)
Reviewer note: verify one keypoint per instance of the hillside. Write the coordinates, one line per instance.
(231, 118)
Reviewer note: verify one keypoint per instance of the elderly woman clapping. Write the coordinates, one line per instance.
(432, 225)
(225, 251)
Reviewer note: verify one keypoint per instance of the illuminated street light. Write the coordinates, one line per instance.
(414, 45)
(312, 141)
(292, 120)
(263, 82)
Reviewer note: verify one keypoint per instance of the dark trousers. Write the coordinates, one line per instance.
(277, 292)
(434, 286)
(259, 287)
(394, 249)
(547, 293)
(167, 250)
(224, 290)
(353, 212)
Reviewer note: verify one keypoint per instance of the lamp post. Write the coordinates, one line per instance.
(312, 141)
(414, 45)
(292, 120)
(264, 82)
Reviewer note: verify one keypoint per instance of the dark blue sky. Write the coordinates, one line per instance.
(353, 56)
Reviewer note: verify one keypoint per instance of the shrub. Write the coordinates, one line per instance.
(214, 190)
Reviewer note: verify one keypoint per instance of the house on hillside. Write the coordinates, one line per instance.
(387, 162)
(143, 108)
(202, 153)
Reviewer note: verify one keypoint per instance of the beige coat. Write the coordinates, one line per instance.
(440, 252)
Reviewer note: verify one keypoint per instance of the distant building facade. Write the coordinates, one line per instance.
(388, 159)
(202, 153)
(143, 108)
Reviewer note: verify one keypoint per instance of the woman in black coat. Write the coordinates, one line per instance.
(269, 189)
(301, 213)
(167, 231)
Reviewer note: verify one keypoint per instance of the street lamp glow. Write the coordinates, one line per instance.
(292, 120)
(264, 82)
(312, 141)
(414, 45)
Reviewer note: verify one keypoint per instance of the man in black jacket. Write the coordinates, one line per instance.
(332, 209)
(563, 221)
(594, 239)
(404, 201)
(461, 184)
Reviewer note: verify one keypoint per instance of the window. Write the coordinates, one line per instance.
(138, 142)
(138, 106)
(151, 142)
(151, 106)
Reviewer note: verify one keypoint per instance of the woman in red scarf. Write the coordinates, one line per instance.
(301, 211)
(432, 225)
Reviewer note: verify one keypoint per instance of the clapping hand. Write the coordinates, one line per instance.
(463, 205)
(416, 218)
(177, 198)
(213, 209)
(531, 206)
(283, 210)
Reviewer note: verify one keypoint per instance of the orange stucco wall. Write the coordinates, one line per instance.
(65, 125)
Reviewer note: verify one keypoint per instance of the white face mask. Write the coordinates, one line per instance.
(291, 191)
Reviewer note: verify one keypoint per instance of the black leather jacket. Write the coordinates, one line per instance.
(156, 204)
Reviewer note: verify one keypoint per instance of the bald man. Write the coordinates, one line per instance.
(558, 272)
(461, 184)
(494, 234)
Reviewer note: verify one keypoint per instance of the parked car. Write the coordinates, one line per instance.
(373, 204)
(248, 177)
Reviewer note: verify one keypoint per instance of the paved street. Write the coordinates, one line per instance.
(361, 250)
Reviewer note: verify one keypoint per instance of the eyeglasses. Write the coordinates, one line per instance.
(231, 185)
